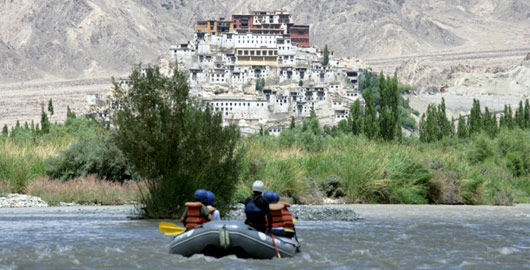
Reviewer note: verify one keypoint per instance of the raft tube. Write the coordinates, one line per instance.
(231, 237)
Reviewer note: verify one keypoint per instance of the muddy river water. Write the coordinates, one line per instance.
(388, 237)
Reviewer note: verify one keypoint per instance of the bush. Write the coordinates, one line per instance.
(172, 141)
(93, 155)
(480, 149)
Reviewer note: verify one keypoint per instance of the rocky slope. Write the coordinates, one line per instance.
(50, 40)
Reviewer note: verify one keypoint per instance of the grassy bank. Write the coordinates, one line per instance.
(367, 171)
(302, 166)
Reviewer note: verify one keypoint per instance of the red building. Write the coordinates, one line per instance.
(300, 35)
(275, 22)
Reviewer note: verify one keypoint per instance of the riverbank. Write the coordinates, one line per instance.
(23, 204)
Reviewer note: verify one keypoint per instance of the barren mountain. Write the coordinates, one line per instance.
(92, 38)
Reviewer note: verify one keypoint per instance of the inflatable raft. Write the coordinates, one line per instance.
(231, 237)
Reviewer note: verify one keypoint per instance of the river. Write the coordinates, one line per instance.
(388, 237)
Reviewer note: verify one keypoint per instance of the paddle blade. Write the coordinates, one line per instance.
(170, 229)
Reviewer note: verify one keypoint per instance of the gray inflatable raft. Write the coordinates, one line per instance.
(231, 237)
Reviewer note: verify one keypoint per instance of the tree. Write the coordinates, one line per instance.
(325, 59)
(44, 123)
(292, 125)
(355, 119)
(173, 142)
(474, 121)
(527, 114)
(389, 113)
(50, 107)
(443, 123)
(489, 123)
(461, 132)
(506, 120)
(429, 129)
(5, 131)
(519, 116)
(370, 116)
(69, 113)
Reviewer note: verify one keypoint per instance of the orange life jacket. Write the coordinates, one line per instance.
(193, 215)
(281, 217)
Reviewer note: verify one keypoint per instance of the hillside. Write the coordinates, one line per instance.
(54, 40)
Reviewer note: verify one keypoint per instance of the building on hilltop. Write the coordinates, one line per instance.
(258, 70)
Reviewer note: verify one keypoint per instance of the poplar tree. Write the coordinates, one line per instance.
(5, 131)
(429, 129)
(461, 131)
(355, 119)
(489, 123)
(506, 118)
(370, 116)
(45, 123)
(292, 125)
(50, 107)
(519, 116)
(395, 98)
(325, 59)
(527, 114)
(386, 128)
(69, 113)
(453, 128)
(443, 123)
(474, 121)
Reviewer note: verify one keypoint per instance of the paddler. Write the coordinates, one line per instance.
(197, 212)
(257, 209)
(282, 221)
(213, 211)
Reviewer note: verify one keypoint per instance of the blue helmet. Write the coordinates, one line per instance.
(211, 197)
(201, 195)
(276, 197)
(269, 195)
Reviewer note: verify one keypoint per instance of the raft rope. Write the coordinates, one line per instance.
(224, 237)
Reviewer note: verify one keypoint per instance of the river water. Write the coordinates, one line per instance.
(388, 237)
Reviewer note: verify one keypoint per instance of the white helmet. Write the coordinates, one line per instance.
(258, 186)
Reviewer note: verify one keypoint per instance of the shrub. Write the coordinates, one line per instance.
(93, 155)
(480, 149)
(172, 141)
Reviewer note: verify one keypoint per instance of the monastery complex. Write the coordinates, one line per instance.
(227, 59)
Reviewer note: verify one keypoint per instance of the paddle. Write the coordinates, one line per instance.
(168, 228)
(272, 237)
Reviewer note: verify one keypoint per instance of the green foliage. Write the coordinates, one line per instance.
(434, 125)
(462, 128)
(480, 149)
(5, 131)
(50, 107)
(355, 119)
(406, 89)
(173, 142)
(45, 123)
(325, 58)
(96, 154)
(370, 126)
(260, 84)
(292, 125)
(69, 114)
(474, 121)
